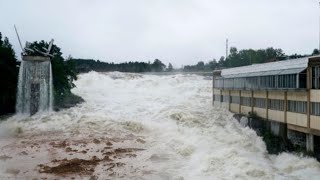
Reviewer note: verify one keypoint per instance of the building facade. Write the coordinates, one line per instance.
(284, 91)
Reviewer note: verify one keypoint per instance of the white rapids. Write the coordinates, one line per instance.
(171, 117)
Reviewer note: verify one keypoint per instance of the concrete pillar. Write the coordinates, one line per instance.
(275, 128)
(309, 143)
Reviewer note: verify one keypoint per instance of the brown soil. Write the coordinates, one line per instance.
(141, 141)
(75, 165)
(96, 141)
(126, 150)
(82, 166)
(109, 143)
(59, 145)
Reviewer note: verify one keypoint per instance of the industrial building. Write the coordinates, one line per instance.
(284, 92)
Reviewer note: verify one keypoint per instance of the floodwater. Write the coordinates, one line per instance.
(142, 127)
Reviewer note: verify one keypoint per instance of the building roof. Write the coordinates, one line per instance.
(291, 66)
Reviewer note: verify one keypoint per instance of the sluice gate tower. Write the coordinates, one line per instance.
(34, 85)
(284, 93)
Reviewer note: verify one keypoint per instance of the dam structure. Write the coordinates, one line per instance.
(34, 85)
(285, 93)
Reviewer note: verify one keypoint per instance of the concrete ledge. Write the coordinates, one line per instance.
(35, 58)
(234, 108)
(297, 119)
(245, 109)
(261, 112)
(276, 115)
(297, 128)
(315, 122)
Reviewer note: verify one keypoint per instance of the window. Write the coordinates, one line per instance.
(225, 98)
(260, 102)
(239, 83)
(251, 83)
(297, 106)
(286, 81)
(218, 83)
(235, 99)
(263, 82)
(217, 98)
(246, 101)
(303, 79)
(228, 83)
(276, 104)
(316, 77)
(271, 81)
(315, 108)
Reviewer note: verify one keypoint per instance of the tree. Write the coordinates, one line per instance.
(315, 52)
(170, 67)
(250, 56)
(212, 65)
(221, 62)
(9, 77)
(200, 65)
(158, 66)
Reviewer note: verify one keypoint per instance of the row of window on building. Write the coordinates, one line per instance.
(316, 77)
(289, 81)
(273, 104)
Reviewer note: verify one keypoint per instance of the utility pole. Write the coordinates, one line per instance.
(227, 48)
(319, 29)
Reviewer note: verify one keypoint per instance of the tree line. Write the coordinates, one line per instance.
(86, 65)
(245, 57)
(8, 76)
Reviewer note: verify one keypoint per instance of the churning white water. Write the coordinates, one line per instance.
(170, 117)
(34, 87)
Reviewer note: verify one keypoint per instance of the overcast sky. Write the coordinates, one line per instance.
(178, 31)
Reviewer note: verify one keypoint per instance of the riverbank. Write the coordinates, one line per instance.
(67, 101)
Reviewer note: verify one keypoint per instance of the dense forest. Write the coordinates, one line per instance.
(86, 65)
(245, 57)
(8, 76)
(235, 58)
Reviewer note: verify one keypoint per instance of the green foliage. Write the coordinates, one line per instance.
(170, 67)
(86, 65)
(63, 72)
(315, 52)
(240, 58)
(157, 66)
(8, 77)
(201, 66)
(249, 56)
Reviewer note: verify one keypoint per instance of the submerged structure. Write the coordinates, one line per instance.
(34, 85)
(285, 93)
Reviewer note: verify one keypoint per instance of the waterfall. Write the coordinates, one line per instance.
(34, 87)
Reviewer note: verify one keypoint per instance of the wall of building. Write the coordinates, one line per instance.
(275, 115)
(300, 120)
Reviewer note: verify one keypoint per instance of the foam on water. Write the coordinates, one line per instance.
(185, 137)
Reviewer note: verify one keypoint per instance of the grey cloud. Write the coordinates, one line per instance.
(181, 32)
